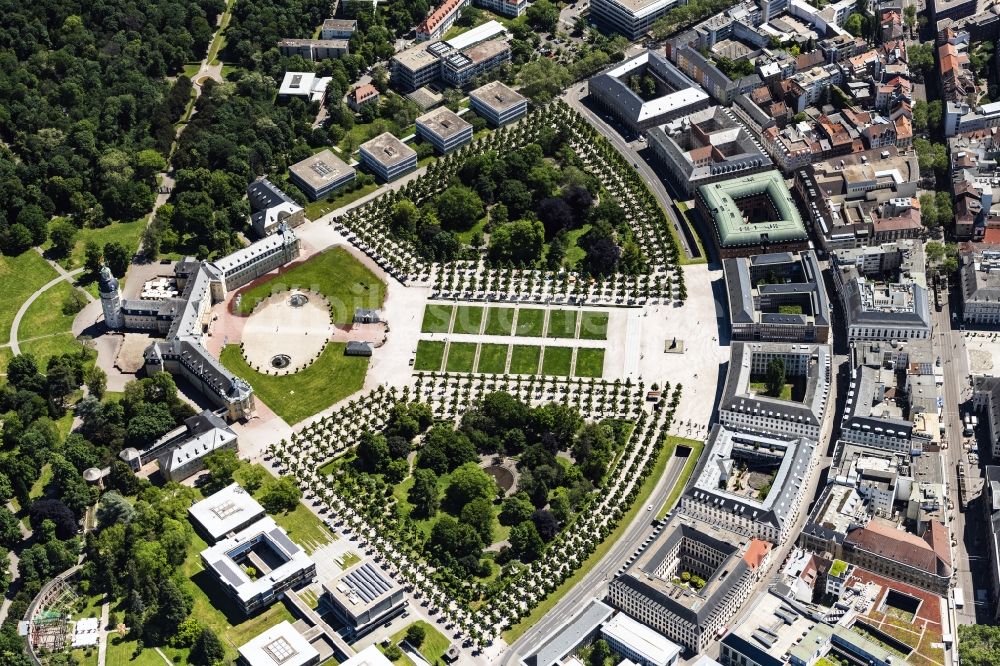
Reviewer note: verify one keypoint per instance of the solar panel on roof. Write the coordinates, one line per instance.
(280, 650)
(283, 540)
(228, 572)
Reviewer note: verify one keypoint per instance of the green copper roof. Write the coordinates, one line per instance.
(720, 199)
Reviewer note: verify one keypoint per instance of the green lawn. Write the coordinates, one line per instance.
(552, 599)
(126, 233)
(120, 654)
(38, 487)
(20, 276)
(45, 315)
(302, 525)
(562, 324)
(594, 326)
(499, 321)
(790, 309)
(686, 220)
(349, 559)
(5, 356)
(695, 446)
(760, 388)
(85, 657)
(52, 345)
(530, 322)
(293, 397)
(524, 359)
(589, 362)
(468, 319)
(461, 357)
(430, 353)
(492, 359)
(435, 643)
(437, 318)
(557, 361)
(337, 199)
(336, 274)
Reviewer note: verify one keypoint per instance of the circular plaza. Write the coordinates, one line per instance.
(287, 331)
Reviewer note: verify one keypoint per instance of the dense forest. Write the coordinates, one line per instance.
(85, 100)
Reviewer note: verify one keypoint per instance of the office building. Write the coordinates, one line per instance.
(558, 647)
(638, 643)
(304, 84)
(338, 28)
(388, 157)
(314, 49)
(676, 95)
(225, 512)
(746, 403)
(256, 565)
(631, 18)
(778, 296)
(508, 8)
(498, 103)
(456, 61)
(444, 129)
(980, 283)
(752, 215)
(364, 597)
(320, 174)
(280, 645)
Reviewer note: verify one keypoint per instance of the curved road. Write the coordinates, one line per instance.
(595, 582)
(14, 346)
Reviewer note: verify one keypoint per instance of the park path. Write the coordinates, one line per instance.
(12, 563)
(65, 276)
(103, 634)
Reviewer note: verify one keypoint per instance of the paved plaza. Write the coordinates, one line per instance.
(286, 331)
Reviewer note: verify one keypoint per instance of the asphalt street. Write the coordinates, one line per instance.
(595, 583)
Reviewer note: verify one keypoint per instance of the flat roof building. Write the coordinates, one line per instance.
(498, 103)
(638, 643)
(508, 8)
(314, 49)
(980, 282)
(632, 18)
(304, 84)
(264, 550)
(650, 589)
(706, 146)
(752, 215)
(779, 296)
(444, 129)
(338, 28)
(280, 645)
(224, 512)
(676, 95)
(370, 656)
(364, 597)
(388, 157)
(320, 174)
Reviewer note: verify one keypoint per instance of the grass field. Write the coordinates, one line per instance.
(562, 324)
(293, 397)
(120, 653)
(435, 643)
(126, 233)
(336, 274)
(20, 276)
(492, 359)
(430, 353)
(437, 318)
(461, 357)
(338, 199)
(557, 361)
(589, 362)
(695, 447)
(552, 599)
(5, 355)
(52, 345)
(524, 359)
(499, 321)
(45, 315)
(530, 322)
(594, 326)
(468, 319)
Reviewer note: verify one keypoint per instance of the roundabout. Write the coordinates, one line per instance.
(287, 332)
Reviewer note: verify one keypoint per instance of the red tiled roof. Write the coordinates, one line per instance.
(438, 15)
(756, 553)
(887, 541)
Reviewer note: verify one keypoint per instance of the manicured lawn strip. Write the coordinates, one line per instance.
(434, 646)
(524, 359)
(437, 318)
(52, 345)
(692, 462)
(499, 321)
(594, 325)
(345, 281)
(551, 600)
(20, 276)
(589, 362)
(492, 359)
(562, 324)
(45, 315)
(5, 356)
(293, 397)
(682, 258)
(82, 658)
(120, 653)
(461, 357)
(468, 319)
(126, 233)
(430, 353)
(338, 199)
(557, 361)
(530, 322)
